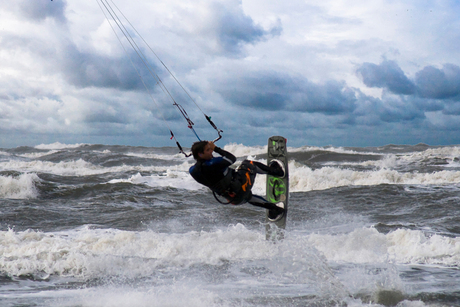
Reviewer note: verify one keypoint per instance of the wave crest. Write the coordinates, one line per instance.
(20, 187)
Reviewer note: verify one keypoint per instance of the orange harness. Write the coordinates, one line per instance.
(248, 179)
(245, 187)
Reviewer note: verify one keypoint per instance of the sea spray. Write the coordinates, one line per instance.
(19, 187)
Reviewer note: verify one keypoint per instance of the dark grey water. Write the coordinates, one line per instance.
(95, 225)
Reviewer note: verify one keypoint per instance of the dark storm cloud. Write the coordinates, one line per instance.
(392, 111)
(432, 90)
(439, 83)
(267, 92)
(373, 111)
(430, 82)
(275, 91)
(85, 69)
(330, 98)
(386, 75)
(39, 10)
(234, 29)
(81, 68)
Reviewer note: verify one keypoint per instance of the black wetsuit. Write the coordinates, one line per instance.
(234, 185)
(211, 172)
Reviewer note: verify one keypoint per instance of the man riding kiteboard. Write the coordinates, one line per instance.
(234, 185)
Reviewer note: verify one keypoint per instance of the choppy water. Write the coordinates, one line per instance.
(94, 225)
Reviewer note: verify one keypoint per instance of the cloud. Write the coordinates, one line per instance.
(222, 27)
(430, 82)
(89, 69)
(399, 110)
(272, 90)
(437, 83)
(331, 98)
(234, 28)
(432, 90)
(260, 89)
(256, 67)
(386, 75)
(38, 10)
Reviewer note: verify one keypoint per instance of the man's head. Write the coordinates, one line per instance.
(202, 150)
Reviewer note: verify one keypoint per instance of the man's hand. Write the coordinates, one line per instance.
(212, 145)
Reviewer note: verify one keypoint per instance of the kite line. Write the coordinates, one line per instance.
(112, 14)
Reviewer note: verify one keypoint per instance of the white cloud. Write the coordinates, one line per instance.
(331, 68)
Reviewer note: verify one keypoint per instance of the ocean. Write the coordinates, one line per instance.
(98, 225)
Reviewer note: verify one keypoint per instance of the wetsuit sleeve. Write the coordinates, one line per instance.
(210, 172)
(226, 155)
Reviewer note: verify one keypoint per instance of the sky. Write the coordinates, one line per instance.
(320, 73)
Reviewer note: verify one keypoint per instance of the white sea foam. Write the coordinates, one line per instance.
(448, 154)
(99, 252)
(154, 156)
(36, 155)
(302, 178)
(239, 150)
(89, 253)
(179, 294)
(169, 157)
(169, 178)
(21, 187)
(95, 252)
(340, 150)
(403, 246)
(440, 152)
(58, 146)
(71, 168)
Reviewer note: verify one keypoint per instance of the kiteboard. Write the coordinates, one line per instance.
(277, 188)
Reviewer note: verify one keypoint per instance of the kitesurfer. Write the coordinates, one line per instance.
(234, 185)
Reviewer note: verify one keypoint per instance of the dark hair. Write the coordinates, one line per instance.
(197, 148)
